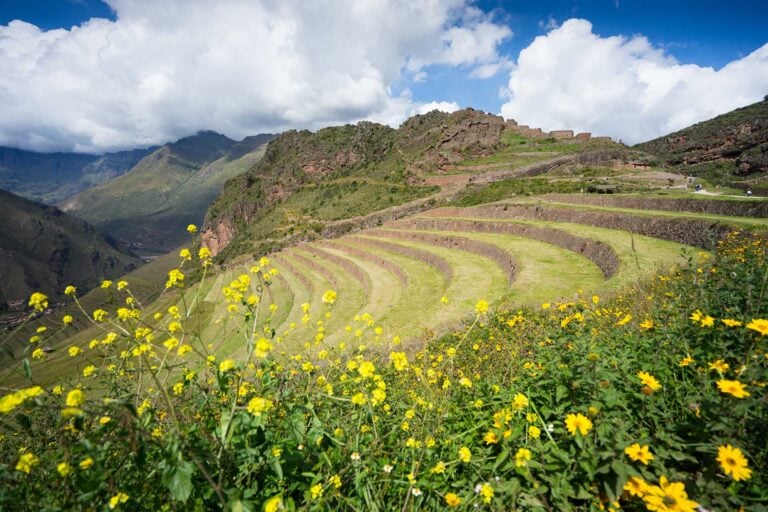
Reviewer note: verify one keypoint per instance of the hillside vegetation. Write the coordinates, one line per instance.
(43, 249)
(149, 206)
(731, 148)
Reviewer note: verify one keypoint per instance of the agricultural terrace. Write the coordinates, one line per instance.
(614, 357)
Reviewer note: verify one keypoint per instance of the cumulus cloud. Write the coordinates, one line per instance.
(444, 106)
(623, 87)
(166, 68)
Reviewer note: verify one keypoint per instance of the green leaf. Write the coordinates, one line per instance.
(178, 480)
(27, 368)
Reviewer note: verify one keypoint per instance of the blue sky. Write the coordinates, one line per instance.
(370, 63)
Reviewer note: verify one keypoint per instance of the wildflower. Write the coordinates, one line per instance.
(63, 468)
(636, 452)
(274, 504)
(67, 319)
(574, 422)
(452, 500)
(26, 462)
(70, 290)
(99, 315)
(257, 406)
(668, 497)
(465, 455)
(387, 468)
(184, 349)
(490, 437)
(122, 285)
(75, 398)
(759, 325)
(399, 360)
(686, 361)
(522, 457)
(546, 305)
(88, 370)
(86, 463)
(329, 297)
(486, 491)
(355, 456)
(444, 299)
(416, 492)
(439, 468)
(106, 284)
(185, 254)
(733, 462)
(358, 399)
(520, 402)
(730, 322)
(366, 369)
(226, 365)
(104, 420)
(647, 324)
(649, 380)
(465, 382)
(191, 229)
(534, 431)
(732, 387)
(336, 481)
(175, 277)
(720, 366)
(118, 498)
(38, 301)
(696, 316)
(481, 307)
(636, 486)
(38, 353)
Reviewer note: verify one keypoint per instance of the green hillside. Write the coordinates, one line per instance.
(730, 148)
(43, 249)
(149, 207)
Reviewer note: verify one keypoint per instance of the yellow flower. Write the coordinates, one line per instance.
(465, 382)
(226, 365)
(63, 468)
(104, 420)
(329, 297)
(86, 463)
(481, 307)
(316, 491)
(185, 254)
(75, 398)
(399, 360)
(636, 486)
(486, 491)
(191, 229)
(732, 387)
(67, 319)
(106, 284)
(257, 406)
(465, 455)
(522, 457)
(452, 500)
(668, 497)
(636, 452)
(122, 285)
(99, 315)
(759, 325)
(720, 366)
(38, 301)
(118, 498)
(696, 316)
(358, 399)
(730, 322)
(366, 369)
(26, 462)
(38, 353)
(520, 402)
(534, 431)
(733, 462)
(274, 504)
(175, 278)
(88, 370)
(70, 290)
(439, 468)
(707, 321)
(490, 437)
(574, 422)
(649, 380)
(444, 299)
(686, 361)
(647, 324)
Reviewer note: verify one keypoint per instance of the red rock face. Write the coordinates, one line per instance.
(218, 236)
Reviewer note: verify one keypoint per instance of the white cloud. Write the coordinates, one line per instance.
(444, 106)
(166, 68)
(623, 87)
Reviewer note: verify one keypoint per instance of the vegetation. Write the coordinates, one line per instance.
(651, 400)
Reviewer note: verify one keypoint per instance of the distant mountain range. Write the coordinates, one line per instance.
(53, 177)
(149, 206)
(44, 249)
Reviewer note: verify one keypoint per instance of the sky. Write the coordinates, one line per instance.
(95, 76)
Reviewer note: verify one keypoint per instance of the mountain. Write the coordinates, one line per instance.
(149, 207)
(307, 179)
(53, 177)
(732, 144)
(44, 249)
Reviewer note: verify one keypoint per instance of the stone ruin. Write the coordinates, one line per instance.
(538, 133)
